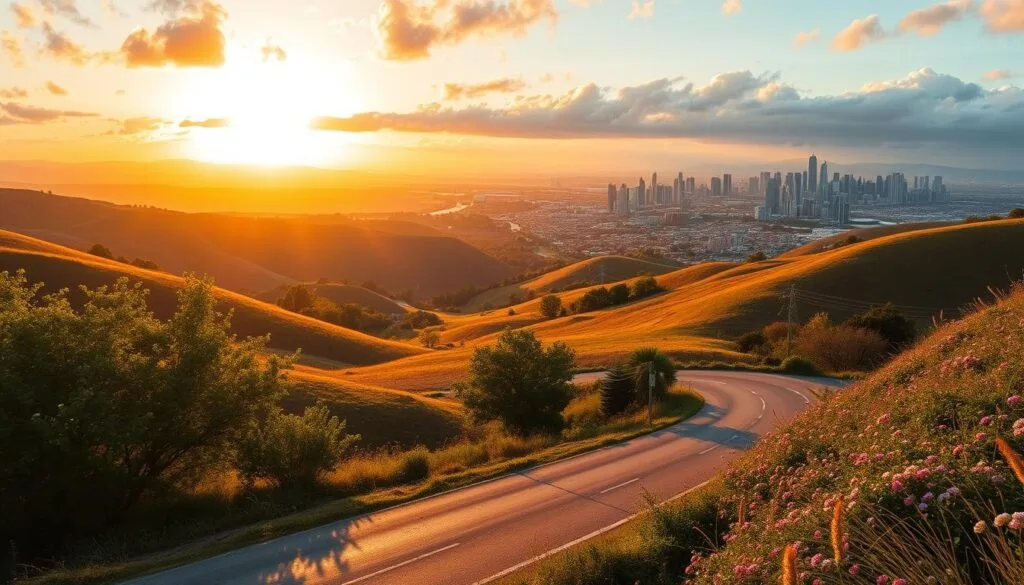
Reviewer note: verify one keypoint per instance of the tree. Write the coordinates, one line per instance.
(645, 287)
(842, 348)
(594, 299)
(147, 264)
(104, 404)
(101, 251)
(520, 382)
(430, 337)
(617, 391)
(421, 320)
(551, 306)
(294, 451)
(748, 342)
(640, 362)
(297, 299)
(619, 294)
(887, 322)
(758, 256)
(1016, 213)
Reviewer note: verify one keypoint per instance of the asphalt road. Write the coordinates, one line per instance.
(471, 535)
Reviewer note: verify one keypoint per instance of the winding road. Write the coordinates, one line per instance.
(479, 533)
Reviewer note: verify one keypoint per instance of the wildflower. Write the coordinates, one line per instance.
(980, 437)
(986, 421)
(1013, 401)
(959, 449)
(854, 569)
(899, 582)
(882, 580)
(980, 527)
(1002, 520)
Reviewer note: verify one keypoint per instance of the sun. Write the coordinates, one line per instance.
(268, 107)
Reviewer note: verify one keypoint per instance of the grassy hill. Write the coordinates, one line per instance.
(586, 272)
(864, 234)
(60, 267)
(342, 294)
(258, 253)
(928, 272)
(898, 478)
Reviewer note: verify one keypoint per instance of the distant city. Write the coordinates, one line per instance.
(809, 195)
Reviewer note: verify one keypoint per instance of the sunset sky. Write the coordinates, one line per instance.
(595, 82)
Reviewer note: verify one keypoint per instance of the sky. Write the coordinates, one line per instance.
(548, 85)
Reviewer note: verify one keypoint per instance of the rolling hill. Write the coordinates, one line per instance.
(927, 272)
(591, 271)
(258, 253)
(343, 294)
(60, 267)
(864, 234)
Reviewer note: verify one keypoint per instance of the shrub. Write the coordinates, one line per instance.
(297, 299)
(758, 256)
(619, 294)
(618, 391)
(1016, 213)
(645, 287)
(594, 299)
(748, 342)
(104, 405)
(801, 366)
(421, 320)
(842, 348)
(430, 337)
(550, 306)
(887, 322)
(640, 363)
(101, 251)
(294, 451)
(520, 382)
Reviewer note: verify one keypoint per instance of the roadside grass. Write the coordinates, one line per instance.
(911, 475)
(363, 484)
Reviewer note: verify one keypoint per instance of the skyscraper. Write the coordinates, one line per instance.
(622, 206)
(654, 190)
(727, 184)
(812, 174)
(823, 183)
(772, 196)
(753, 186)
(716, 186)
(613, 197)
(641, 193)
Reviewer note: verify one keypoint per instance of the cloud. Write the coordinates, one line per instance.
(458, 91)
(112, 9)
(13, 93)
(10, 46)
(59, 46)
(409, 30)
(924, 108)
(998, 74)
(55, 89)
(641, 9)
(732, 7)
(174, 7)
(1003, 16)
(273, 52)
(24, 17)
(859, 33)
(193, 40)
(66, 8)
(208, 123)
(803, 38)
(23, 114)
(929, 21)
(141, 125)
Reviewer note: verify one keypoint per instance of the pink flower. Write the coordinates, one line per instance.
(980, 436)
(959, 449)
(899, 582)
(882, 580)
(854, 569)
(986, 421)
(1013, 401)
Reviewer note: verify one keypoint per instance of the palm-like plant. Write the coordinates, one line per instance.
(640, 362)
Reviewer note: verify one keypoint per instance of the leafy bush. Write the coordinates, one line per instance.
(619, 294)
(758, 256)
(800, 366)
(887, 322)
(294, 451)
(748, 342)
(520, 382)
(1016, 213)
(842, 348)
(645, 287)
(550, 306)
(297, 299)
(101, 251)
(618, 391)
(104, 405)
(594, 299)
(421, 320)
(430, 337)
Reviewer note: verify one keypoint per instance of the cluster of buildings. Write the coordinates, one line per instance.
(813, 194)
(624, 200)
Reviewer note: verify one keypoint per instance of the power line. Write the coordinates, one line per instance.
(827, 301)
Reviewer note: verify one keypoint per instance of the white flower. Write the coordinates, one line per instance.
(980, 527)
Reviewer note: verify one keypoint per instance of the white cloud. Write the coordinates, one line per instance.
(641, 9)
(803, 38)
(732, 7)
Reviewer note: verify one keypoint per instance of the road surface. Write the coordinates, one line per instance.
(471, 535)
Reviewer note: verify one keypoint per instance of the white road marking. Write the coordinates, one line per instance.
(706, 451)
(801, 395)
(581, 539)
(623, 484)
(402, 564)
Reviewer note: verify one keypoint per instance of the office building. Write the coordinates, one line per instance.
(716, 186)
(727, 184)
(622, 206)
(613, 198)
(812, 174)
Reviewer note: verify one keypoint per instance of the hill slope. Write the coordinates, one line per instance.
(60, 267)
(253, 254)
(342, 294)
(608, 269)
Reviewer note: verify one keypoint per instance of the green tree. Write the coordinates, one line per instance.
(641, 362)
(421, 320)
(297, 299)
(551, 306)
(430, 337)
(101, 251)
(294, 451)
(888, 322)
(104, 404)
(594, 299)
(748, 342)
(1016, 213)
(617, 391)
(645, 287)
(520, 382)
(619, 294)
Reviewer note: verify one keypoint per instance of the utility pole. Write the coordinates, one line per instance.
(651, 380)
(790, 318)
